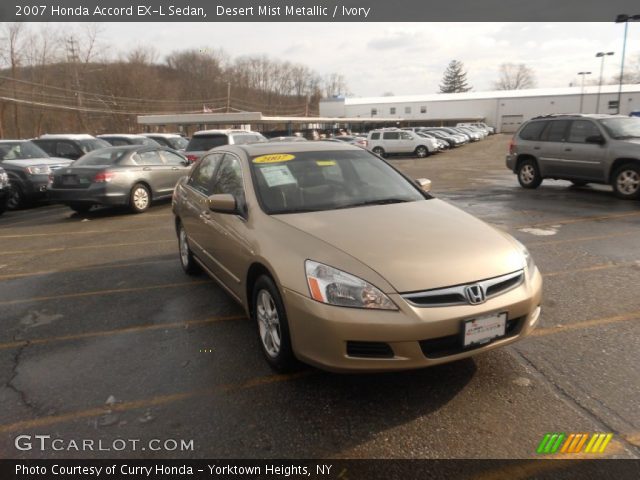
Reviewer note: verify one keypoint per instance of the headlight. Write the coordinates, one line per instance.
(528, 259)
(38, 170)
(335, 287)
(4, 179)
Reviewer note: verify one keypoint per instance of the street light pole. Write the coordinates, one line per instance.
(623, 18)
(582, 74)
(601, 55)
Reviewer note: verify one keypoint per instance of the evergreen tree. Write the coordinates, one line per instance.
(454, 79)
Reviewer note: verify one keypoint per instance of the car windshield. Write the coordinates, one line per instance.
(21, 151)
(327, 180)
(101, 157)
(207, 142)
(93, 144)
(621, 128)
(178, 143)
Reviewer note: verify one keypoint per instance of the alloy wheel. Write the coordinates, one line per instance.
(268, 323)
(628, 182)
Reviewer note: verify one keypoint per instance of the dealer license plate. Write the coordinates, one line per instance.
(483, 329)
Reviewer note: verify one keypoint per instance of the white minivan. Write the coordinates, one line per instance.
(391, 141)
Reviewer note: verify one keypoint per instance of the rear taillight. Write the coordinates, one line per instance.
(103, 177)
(192, 158)
(512, 146)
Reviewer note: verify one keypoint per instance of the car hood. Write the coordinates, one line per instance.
(31, 162)
(416, 245)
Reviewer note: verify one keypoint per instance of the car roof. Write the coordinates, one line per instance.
(121, 135)
(266, 148)
(224, 132)
(163, 135)
(71, 136)
(595, 116)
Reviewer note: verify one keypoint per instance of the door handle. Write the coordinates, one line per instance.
(175, 168)
(536, 148)
(567, 149)
(146, 169)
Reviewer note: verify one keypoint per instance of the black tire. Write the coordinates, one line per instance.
(529, 174)
(139, 198)
(80, 207)
(188, 263)
(422, 151)
(16, 199)
(266, 299)
(379, 151)
(3, 206)
(578, 183)
(626, 181)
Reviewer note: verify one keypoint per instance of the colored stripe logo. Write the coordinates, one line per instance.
(573, 443)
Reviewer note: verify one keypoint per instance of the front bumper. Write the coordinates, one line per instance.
(95, 194)
(320, 332)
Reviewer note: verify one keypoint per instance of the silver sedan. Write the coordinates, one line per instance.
(132, 175)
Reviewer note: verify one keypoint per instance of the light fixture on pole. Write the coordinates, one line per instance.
(601, 55)
(582, 74)
(623, 18)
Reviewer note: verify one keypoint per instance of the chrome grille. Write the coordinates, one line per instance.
(450, 296)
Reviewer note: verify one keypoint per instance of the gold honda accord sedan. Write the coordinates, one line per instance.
(346, 264)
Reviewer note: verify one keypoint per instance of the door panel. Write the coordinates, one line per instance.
(581, 159)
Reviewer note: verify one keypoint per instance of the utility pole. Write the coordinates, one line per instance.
(72, 57)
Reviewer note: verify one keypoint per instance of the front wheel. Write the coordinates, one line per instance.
(269, 313)
(16, 199)
(626, 181)
(422, 152)
(379, 151)
(529, 174)
(140, 198)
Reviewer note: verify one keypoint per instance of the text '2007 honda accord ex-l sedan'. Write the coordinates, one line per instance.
(346, 264)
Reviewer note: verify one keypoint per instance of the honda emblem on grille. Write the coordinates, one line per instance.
(475, 294)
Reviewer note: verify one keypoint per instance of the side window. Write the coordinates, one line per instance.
(375, 136)
(405, 136)
(581, 129)
(391, 135)
(202, 175)
(229, 178)
(532, 131)
(172, 159)
(66, 150)
(118, 142)
(149, 158)
(556, 131)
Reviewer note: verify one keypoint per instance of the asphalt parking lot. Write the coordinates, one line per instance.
(105, 338)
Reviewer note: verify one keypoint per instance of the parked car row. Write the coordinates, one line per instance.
(80, 170)
(421, 141)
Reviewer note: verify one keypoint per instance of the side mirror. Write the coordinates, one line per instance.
(597, 139)
(185, 163)
(424, 184)
(223, 203)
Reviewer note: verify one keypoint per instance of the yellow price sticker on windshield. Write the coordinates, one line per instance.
(274, 158)
(325, 163)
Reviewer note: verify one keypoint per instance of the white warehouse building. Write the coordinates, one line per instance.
(503, 109)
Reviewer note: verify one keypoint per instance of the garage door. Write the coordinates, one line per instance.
(510, 123)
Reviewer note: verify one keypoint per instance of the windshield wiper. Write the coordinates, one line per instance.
(382, 201)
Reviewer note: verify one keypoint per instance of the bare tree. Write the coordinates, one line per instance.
(515, 77)
(13, 55)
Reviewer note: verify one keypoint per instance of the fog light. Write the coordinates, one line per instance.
(535, 316)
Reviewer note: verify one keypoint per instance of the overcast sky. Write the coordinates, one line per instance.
(403, 58)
